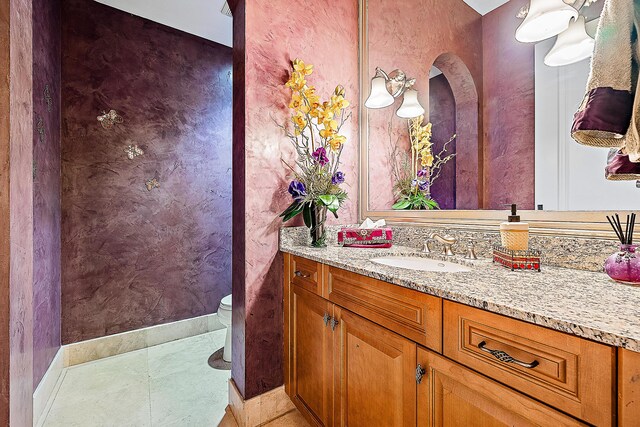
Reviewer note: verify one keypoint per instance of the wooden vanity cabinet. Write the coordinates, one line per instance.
(362, 352)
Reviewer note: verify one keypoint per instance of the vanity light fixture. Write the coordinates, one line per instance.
(545, 19)
(385, 88)
(573, 45)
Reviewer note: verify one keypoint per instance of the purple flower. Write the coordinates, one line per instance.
(423, 185)
(320, 156)
(338, 178)
(422, 173)
(297, 190)
(414, 183)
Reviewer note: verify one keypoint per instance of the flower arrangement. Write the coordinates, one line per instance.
(318, 144)
(415, 175)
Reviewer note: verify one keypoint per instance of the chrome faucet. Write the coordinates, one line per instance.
(446, 240)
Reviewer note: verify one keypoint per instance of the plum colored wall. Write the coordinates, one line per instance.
(269, 35)
(433, 32)
(46, 191)
(509, 111)
(16, 214)
(442, 113)
(134, 258)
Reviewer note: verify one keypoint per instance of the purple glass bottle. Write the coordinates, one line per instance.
(624, 266)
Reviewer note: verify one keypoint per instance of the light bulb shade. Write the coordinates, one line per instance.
(410, 107)
(573, 45)
(546, 18)
(379, 96)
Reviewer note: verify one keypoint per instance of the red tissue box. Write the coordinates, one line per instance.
(365, 237)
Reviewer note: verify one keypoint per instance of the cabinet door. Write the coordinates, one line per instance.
(375, 382)
(452, 395)
(310, 362)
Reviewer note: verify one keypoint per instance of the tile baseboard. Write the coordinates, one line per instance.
(260, 409)
(47, 385)
(113, 345)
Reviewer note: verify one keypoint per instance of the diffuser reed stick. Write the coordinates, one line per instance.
(624, 235)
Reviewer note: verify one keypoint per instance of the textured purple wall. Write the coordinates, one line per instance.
(442, 114)
(46, 192)
(321, 32)
(509, 111)
(133, 258)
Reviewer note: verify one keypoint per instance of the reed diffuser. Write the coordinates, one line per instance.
(624, 266)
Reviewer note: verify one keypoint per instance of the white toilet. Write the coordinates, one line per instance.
(224, 314)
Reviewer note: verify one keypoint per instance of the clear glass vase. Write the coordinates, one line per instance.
(624, 266)
(317, 229)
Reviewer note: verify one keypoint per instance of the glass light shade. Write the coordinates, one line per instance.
(410, 107)
(379, 96)
(573, 45)
(546, 18)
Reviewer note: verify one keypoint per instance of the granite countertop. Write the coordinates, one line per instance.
(582, 303)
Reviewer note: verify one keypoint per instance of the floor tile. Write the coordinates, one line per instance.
(109, 392)
(170, 384)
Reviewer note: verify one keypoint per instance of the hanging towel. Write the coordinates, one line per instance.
(605, 113)
(620, 168)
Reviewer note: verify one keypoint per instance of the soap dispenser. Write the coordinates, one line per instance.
(514, 234)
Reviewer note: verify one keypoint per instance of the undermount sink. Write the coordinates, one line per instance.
(421, 264)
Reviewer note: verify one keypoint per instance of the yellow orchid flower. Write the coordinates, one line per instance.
(301, 67)
(300, 122)
(339, 102)
(296, 101)
(427, 159)
(336, 142)
(297, 81)
(325, 114)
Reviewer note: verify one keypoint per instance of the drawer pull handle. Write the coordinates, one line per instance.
(299, 273)
(505, 357)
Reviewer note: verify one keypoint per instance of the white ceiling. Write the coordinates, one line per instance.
(485, 6)
(202, 18)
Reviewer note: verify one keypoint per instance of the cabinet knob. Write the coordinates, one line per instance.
(505, 357)
(334, 324)
(420, 371)
(299, 273)
(326, 319)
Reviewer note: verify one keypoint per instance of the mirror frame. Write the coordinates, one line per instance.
(581, 224)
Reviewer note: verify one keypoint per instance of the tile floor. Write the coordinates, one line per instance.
(290, 419)
(167, 385)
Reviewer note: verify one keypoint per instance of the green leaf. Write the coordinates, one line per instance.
(307, 215)
(401, 205)
(331, 202)
(293, 213)
(292, 207)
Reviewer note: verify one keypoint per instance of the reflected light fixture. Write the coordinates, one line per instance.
(573, 45)
(545, 19)
(385, 88)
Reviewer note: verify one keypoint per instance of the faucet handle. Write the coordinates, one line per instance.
(427, 248)
(471, 250)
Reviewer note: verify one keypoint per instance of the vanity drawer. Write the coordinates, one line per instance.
(410, 313)
(562, 370)
(305, 273)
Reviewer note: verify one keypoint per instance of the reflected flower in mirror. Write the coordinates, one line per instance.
(414, 173)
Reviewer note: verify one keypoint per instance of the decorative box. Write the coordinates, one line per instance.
(517, 260)
(365, 237)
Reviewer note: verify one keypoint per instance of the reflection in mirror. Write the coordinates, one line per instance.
(511, 113)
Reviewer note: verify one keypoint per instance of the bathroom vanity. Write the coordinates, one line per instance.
(368, 344)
